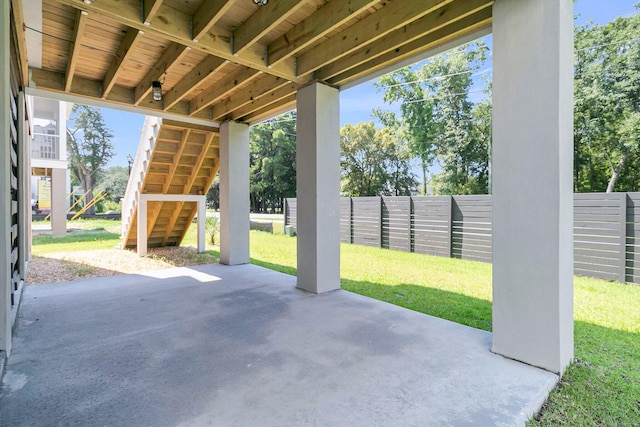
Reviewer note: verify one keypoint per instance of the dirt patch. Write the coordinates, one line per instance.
(67, 266)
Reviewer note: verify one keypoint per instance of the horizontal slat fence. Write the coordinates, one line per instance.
(606, 228)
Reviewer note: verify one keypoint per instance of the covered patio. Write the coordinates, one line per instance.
(239, 345)
(242, 345)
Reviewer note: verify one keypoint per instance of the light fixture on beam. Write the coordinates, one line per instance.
(260, 2)
(88, 1)
(156, 88)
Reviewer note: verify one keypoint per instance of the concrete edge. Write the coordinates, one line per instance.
(536, 403)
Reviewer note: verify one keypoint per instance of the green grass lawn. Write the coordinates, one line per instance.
(602, 388)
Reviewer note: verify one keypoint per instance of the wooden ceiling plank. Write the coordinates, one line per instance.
(209, 66)
(171, 55)
(218, 92)
(448, 15)
(247, 95)
(125, 50)
(150, 9)
(18, 19)
(81, 22)
(174, 25)
(265, 19)
(392, 16)
(207, 15)
(329, 17)
(467, 26)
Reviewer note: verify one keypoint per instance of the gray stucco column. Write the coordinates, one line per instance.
(318, 188)
(532, 181)
(59, 202)
(5, 186)
(234, 193)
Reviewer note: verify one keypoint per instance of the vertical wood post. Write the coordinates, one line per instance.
(450, 225)
(141, 242)
(622, 274)
(381, 219)
(409, 222)
(202, 221)
(350, 220)
(285, 206)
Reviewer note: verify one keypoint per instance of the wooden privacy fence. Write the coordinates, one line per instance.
(606, 228)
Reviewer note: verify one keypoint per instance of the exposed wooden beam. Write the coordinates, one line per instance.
(451, 13)
(18, 19)
(285, 104)
(262, 21)
(329, 17)
(240, 79)
(193, 80)
(125, 50)
(81, 22)
(150, 9)
(174, 25)
(465, 27)
(171, 55)
(392, 16)
(270, 98)
(209, 12)
(248, 94)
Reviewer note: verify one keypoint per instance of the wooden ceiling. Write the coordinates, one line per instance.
(231, 59)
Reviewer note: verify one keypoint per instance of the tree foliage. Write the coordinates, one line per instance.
(273, 162)
(374, 161)
(113, 181)
(607, 106)
(89, 147)
(441, 122)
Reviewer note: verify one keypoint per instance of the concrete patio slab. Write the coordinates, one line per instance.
(240, 346)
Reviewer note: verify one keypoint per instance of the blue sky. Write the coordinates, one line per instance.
(356, 103)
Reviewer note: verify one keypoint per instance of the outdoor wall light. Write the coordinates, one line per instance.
(88, 1)
(156, 87)
(260, 2)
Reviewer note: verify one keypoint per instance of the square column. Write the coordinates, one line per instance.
(532, 181)
(59, 202)
(234, 193)
(5, 182)
(318, 188)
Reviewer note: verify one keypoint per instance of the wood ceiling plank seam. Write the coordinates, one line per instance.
(209, 66)
(262, 21)
(207, 15)
(459, 29)
(125, 51)
(175, 26)
(449, 14)
(171, 55)
(218, 92)
(150, 9)
(392, 16)
(74, 49)
(247, 95)
(329, 17)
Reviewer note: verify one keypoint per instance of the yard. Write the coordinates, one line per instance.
(602, 386)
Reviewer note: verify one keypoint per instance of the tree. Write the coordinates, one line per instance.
(273, 162)
(441, 122)
(607, 105)
(89, 147)
(114, 182)
(373, 162)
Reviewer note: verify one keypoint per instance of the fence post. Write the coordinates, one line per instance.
(380, 221)
(622, 275)
(350, 220)
(285, 206)
(409, 224)
(450, 236)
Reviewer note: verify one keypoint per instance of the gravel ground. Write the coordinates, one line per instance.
(67, 266)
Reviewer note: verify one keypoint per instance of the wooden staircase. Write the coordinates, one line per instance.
(173, 158)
